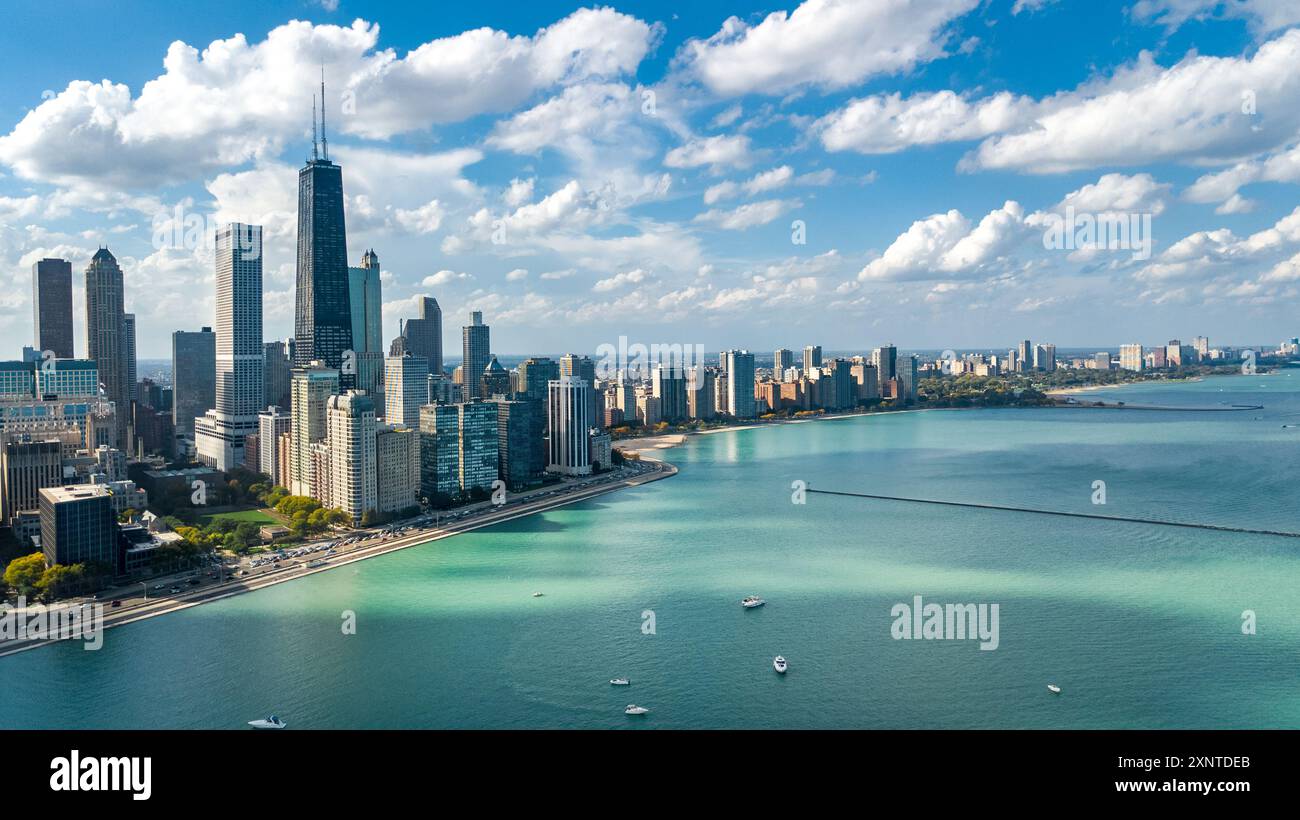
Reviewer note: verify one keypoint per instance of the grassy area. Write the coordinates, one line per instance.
(259, 517)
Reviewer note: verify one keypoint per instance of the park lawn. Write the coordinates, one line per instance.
(260, 517)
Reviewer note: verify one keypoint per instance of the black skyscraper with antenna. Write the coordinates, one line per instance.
(323, 315)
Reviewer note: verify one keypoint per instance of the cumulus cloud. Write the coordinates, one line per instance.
(946, 246)
(633, 277)
(236, 101)
(749, 215)
(825, 43)
(888, 123)
(718, 152)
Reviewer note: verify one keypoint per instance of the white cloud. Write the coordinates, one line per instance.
(235, 101)
(1194, 111)
(445, 277)
(945, 246)
(718, 152)
(1263, 15)
(748, 215)
(620, 280)
(887, 123)
(827, 43)
(517, 275)
(425, 219)
(1118, 193)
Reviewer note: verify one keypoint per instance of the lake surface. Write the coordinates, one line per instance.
(1141, 625)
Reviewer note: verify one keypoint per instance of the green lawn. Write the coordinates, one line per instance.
(259, 517)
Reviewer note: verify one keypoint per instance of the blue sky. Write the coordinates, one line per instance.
(581, 173)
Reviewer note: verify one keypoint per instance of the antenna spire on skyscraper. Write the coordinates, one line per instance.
(313, 128)
(324, 143)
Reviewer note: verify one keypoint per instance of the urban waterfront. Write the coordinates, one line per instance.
(1140, 625)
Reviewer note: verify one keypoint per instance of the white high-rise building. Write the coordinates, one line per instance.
(1130, 357)
(271, 424)
(406, 389)
(219, 434)
(568, 426)
(353, 484)
(310, 391)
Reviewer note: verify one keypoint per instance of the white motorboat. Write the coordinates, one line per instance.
(538, 594)
(633, 709)
(1054, 689)
(620, 682)
(272, 722)
(751, 601)
(779, 664)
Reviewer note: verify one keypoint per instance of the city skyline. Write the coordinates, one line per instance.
(648, 182)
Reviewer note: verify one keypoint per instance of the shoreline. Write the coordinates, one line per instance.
(116, 618)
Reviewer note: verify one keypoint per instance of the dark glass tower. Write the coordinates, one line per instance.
(323, 308)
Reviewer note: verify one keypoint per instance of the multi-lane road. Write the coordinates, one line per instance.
(135, 605)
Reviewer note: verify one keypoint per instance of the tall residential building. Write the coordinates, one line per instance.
(1201, 344)
(669, 385)
(476, 350)
(782, 361)
(582, 367)
(1131, 357)
(323, 305)
(406, 390)
(365, 296)
(812, 359)
(422, 336)
(909, 375)
(219, 435)
(520, 447)
(397, 469)
(272, 423)
(350, 437)
(535, 375)
(28, 465)
(885, 360)
(439, 451)
(277, 369)
(128, 340)
(52, 306)
(479, 435)
(1025, 355)
(194, 377)
(739, 365)
(1045, 358)
(77, 525)
(106, 333)
(312, 387)
(568, 424)
(700, 392)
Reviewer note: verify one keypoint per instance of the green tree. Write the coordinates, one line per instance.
(23, 574)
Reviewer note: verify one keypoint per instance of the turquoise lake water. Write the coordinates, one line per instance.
(1139, 624)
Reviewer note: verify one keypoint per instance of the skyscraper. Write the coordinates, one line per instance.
(582, 367)
(406, 389)
(1025, 355)
(886, 361)
(812, 358)
(323, 306)
(568, 425)
(272, 423)
(739, 365)
(476, 351)
(52, 306)
(422, 336)
(366, 297)
(106, 332)
(350, 421)
(669, 386)
(782, 360)
(312, 387)
(277, 367)
(128, 340)
(219, 435)
(194, 377)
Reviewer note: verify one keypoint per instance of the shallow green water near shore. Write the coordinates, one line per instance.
(1139, 624)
